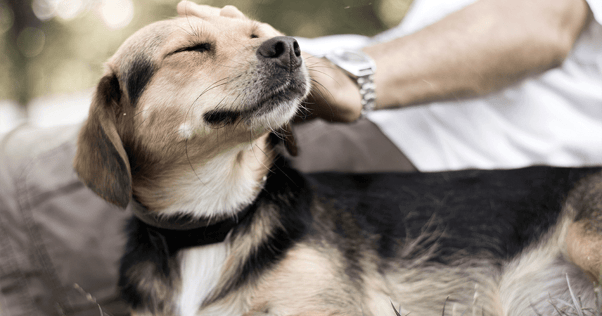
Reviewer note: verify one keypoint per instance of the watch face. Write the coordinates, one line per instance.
(356, 63)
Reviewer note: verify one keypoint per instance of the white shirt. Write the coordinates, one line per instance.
(554, 118)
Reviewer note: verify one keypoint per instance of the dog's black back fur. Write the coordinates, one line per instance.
(495, 213)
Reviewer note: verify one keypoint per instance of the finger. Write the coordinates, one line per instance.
(186, 8)
(231, 11)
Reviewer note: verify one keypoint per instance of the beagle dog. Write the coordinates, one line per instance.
(186, 129)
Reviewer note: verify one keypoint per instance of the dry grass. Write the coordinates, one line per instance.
(90, 299)
(572, 308)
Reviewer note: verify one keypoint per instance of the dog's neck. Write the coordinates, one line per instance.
(210, 190)
(184, 222)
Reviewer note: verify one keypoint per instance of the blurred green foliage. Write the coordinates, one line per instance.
(64, 53)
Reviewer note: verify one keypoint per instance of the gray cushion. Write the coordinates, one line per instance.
(59, 243)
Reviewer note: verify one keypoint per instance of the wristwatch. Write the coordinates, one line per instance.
(359, 67)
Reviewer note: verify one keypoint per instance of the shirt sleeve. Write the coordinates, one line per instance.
(596, 7)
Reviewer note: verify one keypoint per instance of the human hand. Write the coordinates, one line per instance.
(185, 8)
(334, 96)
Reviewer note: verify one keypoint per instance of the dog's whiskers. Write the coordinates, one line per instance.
(186, 31)
(320, 93)
(190, 24)
(190, 162)
(215, 84)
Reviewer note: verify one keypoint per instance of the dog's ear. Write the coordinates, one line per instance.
(285, 134)
(101, 161)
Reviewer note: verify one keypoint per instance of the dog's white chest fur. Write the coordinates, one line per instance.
(200, 271)
(200, 190)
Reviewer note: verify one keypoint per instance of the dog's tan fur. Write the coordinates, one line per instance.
(174, 150)
(584, 235)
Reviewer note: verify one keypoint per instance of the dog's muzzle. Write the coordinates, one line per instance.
(279, 80)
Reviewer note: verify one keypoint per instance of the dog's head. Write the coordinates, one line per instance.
(183, 113)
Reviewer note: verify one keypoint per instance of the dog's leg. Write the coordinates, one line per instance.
(584, 235)
(554, 266)
(584, 246)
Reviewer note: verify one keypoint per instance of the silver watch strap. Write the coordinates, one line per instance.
(367, 92)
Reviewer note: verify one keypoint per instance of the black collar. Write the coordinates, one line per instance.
(180, 223)
(174, 233)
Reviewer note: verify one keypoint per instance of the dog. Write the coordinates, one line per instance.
(187, 129)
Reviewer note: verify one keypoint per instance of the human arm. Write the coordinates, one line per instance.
(481, 48)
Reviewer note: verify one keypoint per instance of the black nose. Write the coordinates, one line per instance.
(283, 51)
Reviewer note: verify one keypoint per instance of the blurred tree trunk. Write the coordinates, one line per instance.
(23, 18)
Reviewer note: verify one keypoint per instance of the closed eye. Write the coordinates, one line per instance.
(200, 48)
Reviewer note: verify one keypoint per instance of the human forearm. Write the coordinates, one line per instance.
(481, 48)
